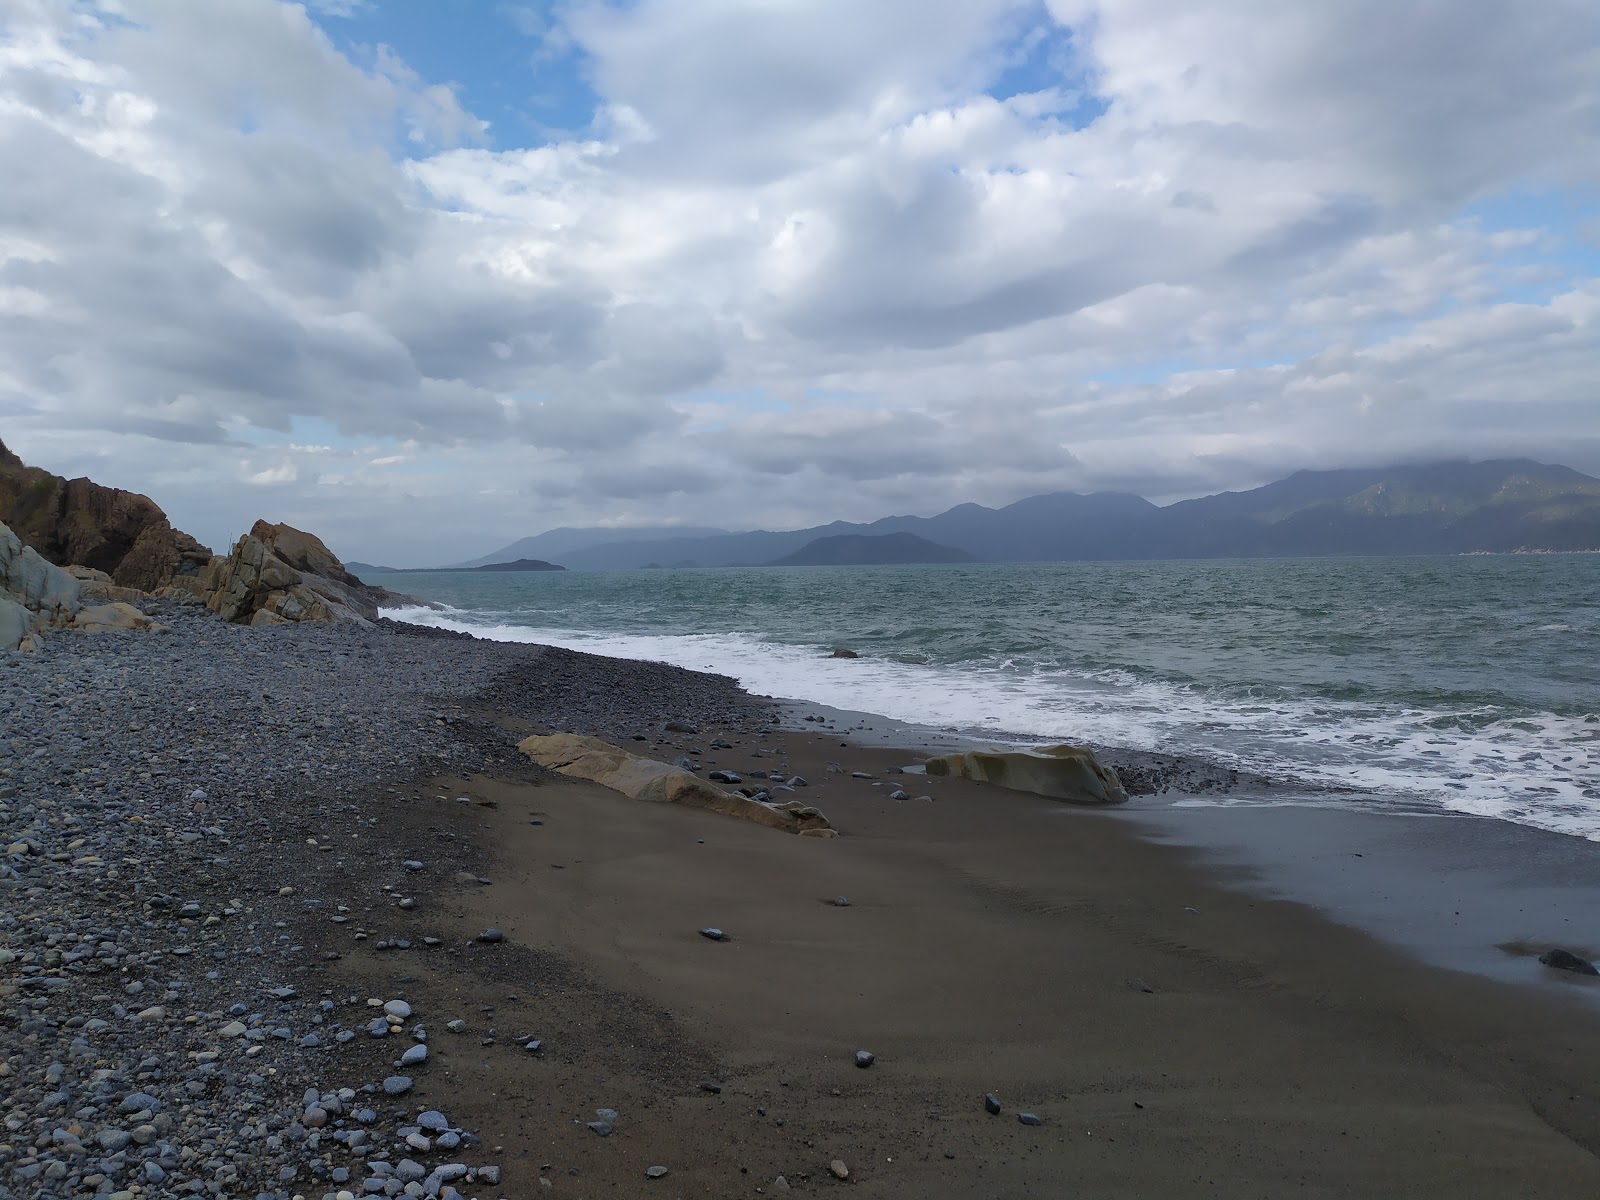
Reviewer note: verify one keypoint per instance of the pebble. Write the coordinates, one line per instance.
(1028, 1118)
(715, 934)
(841, 902)
(991, 1104)
(865, 1058)
(491, 935)
(415, 1055)
(397, 1085)
(840, 1171)
(397, 1008)
(655, 1172)
(433, 1120)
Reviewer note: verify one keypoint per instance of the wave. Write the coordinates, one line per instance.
(1542, 770)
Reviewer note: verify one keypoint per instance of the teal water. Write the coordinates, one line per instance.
(1469, 683)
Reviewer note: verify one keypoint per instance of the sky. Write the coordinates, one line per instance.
(425, 278)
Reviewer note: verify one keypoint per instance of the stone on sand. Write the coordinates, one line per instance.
(1070, 773)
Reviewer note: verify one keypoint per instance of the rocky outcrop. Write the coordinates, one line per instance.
(34, 594)
(1061, 772)
(661, 783)
(277, 573)
(79, 522)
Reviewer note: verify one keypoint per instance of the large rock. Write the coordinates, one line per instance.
(1060, 772)
(276, 574)
(34, 594)
(79, 522)
(661, 783)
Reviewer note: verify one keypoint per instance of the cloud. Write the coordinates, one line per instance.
(806, 262)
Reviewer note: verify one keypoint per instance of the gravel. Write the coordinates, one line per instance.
(178, 807)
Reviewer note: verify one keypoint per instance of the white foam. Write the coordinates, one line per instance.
(1467, 760)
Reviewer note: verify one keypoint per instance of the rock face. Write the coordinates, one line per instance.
(34, 594)
(661, 783)
(79, 522)
(277, 573)
(1060, 772)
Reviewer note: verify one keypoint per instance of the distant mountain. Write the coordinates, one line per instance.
(556, 543)
(859, 549)
(361, 568)
(1440, 508)
(521, 564)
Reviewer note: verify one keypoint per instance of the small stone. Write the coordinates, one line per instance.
(397, 1008)
(840, 1171)
(655, 1172)
(414, 1056)
(712, 1086)
(456, 1026)
(991, 1104)
(408, 902)
(397, 1085)
(412, 864)
(1029, 1118)
(491, 935)
(841, 902)
(715, 934)
(603, 1128)
(1140, 985)
(433, 1120)
(865, 1058)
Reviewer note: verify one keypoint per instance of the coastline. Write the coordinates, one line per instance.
(988, 946)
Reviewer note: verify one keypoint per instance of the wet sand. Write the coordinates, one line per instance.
(988, 946)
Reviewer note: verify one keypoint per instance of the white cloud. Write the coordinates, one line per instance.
(800, 267)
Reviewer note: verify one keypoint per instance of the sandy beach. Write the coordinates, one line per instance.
(248, 843)
(994, 942)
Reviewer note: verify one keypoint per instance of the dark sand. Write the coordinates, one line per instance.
(988, 946)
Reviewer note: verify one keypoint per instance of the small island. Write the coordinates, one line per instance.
(864, 550)
(521, 564)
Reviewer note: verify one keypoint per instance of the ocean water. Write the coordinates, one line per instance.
(1466, 683)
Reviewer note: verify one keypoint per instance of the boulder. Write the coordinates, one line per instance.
(35, 595)
(102, 618)
(662, 783)
(277, 573)
(78, 522)
(97, 585)
(1061, 772)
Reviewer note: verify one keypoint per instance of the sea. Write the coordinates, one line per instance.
(1469, 684)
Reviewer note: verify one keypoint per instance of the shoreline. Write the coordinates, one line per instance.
(988, 946)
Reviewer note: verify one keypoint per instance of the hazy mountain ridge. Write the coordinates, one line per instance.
(1439, 508)
(865, 549)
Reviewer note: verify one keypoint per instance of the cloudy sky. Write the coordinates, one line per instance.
(428, 277)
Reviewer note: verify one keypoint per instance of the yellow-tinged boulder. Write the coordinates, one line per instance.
(1070, 773)
(646, 779)
(102, 618)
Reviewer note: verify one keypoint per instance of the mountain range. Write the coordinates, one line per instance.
(1502, 505)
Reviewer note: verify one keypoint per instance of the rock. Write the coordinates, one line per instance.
(276, 573)
(1028, 1118)
(456, 1026)
(121, 539)
(433, 1120)
(397, 1008)
(414, 1056)
(841, 902)
(712, 1086)
(840, 1171)
(397, 1085)
(715, 934)
(655, 1172)
(841, 652)
(491, 935)
(603, 1128)
(35, 595)
(991, 1104)
(1565, 960)
(658, 782)
(865, 1058)
(104, 618)
(1140, 985)
(1061, 772)
(725, 777)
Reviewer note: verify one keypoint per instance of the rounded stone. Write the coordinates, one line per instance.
(397, 1085)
